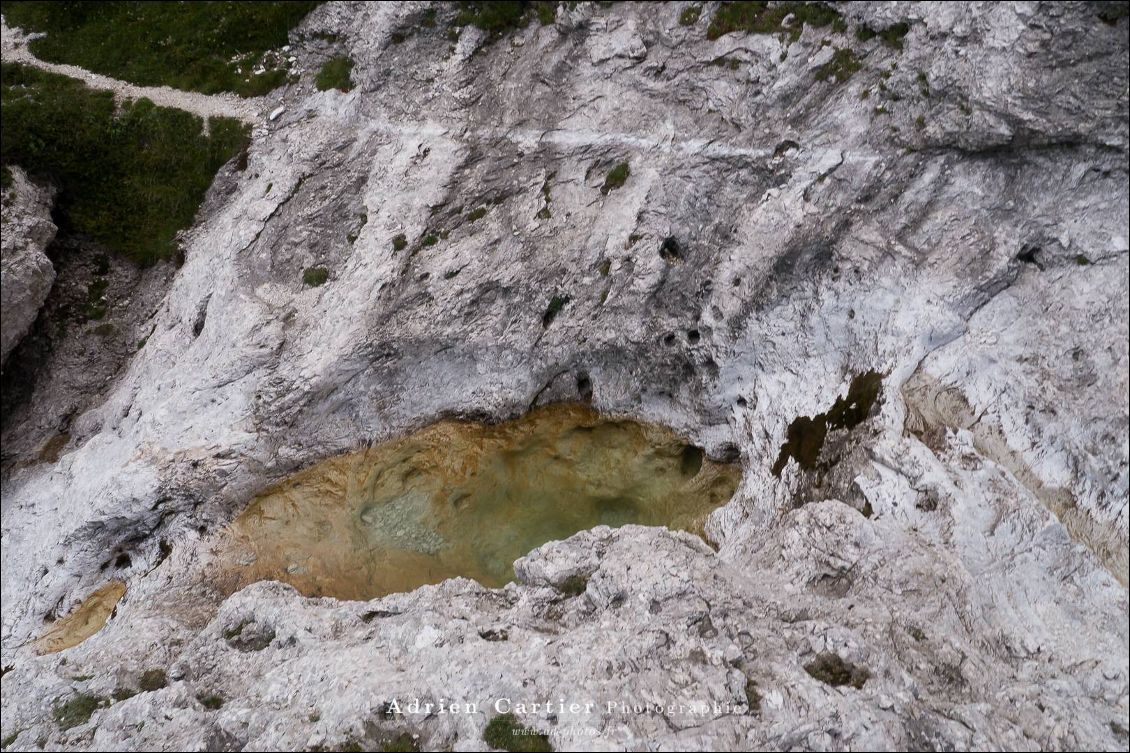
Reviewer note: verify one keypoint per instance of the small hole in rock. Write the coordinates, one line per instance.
(670, 250)
(584, 386)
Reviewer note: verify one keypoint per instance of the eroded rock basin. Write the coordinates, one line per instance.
(464, 499)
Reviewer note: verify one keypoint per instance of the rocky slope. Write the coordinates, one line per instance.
(27, 272)
(948, 571)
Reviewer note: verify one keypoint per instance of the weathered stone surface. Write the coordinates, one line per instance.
(25, 271)
(776, 236)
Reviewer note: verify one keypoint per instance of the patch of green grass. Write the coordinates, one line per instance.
(843, 65)
(96, 305)
(616, 178)
(1112, 13)
(315, 277)
(504, 732)
(211, 701)
(123, 694)
(476, 214)
(690, 15)
(891, 36)
(553, 309)
(547, 195)
(152, 679)
(775, 18)
(9, 739)
(236, 630)
(130, 176)
(429, 240)
(183, 45)
(832, 670)
(497, 17)
(546, 12)
(402, 743)
(726, 62)
(752, 697)
(77, 710)
(399, 242)
(335, 74)
(574, 585)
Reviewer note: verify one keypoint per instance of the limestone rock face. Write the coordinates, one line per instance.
(947, 571)
(26, 273)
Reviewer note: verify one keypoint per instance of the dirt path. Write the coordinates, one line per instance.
(13, 49)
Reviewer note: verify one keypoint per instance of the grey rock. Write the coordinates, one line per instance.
(25, 271)
(966, 546)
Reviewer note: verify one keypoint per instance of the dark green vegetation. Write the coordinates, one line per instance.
(5, 178)
(891, 35)
(77, 710)
(96, 305)
(179, 44)
(476, 214)
(841, 67)
(123, 694)
(335, 74)
(8, 740)
(553, 309)
(497, 17)
(402, 743)
(806, 435)
(574, 585)
(772, 18)
(243, 639)
(831, 669)
(315, 276)
(400, 242)
(211, 701)
(1112, 13)
(690, 15)
(504, 732)
(752, 697)
(616, 178)
(130, 177)
(152, 679)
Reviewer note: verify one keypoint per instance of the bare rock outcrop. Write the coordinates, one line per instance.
(25, 270)
(935, 194)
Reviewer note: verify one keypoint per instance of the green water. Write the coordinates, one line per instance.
(463, 499)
